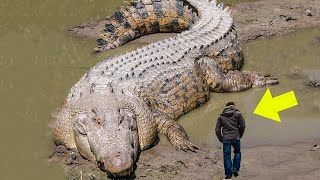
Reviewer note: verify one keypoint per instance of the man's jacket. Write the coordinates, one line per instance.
(231, 123)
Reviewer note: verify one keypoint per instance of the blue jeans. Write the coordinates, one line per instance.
(230, 167)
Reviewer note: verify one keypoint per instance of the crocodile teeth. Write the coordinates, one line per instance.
(226, 9)
(221, 5)
(214, 1)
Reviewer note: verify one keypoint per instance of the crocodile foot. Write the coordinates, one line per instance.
(261, 80)
(185, 145)
(177, 135)
(103, 48)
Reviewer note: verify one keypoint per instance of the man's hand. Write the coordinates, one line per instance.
(218, 130)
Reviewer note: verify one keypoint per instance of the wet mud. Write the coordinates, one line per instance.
(261, 19)
(254, 20)
(296, 161)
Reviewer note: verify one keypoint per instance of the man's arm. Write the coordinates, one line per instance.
(218, 129)
(242, 125)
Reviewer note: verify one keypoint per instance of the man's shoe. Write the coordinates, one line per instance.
(236, 174)
(228, 177)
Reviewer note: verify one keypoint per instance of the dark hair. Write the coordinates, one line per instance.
(230, 103)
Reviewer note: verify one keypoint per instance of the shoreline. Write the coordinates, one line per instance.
(264, 19)
(164, 162)
(253, 20)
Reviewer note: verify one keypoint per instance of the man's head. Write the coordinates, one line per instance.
(230, 104)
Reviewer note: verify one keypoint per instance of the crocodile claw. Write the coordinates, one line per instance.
(185, 145)
(261, 80)
(103, 48)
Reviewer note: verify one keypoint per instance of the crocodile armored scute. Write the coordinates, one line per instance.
(139, 18)
(121, 104)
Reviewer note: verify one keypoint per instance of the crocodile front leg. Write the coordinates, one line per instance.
(232, 80)
(175, 134)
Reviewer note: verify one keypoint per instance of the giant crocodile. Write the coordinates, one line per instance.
(118, 107)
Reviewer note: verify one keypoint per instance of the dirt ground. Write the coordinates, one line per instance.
(254, 20)
(297, 161)
(261, 19)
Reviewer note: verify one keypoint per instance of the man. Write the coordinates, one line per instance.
(229, 129)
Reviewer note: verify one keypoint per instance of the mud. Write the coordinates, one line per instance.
(261, 19)
(254, 20)
(297, 161)
(314, 80)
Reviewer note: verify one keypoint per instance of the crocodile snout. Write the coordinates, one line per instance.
(119, 165)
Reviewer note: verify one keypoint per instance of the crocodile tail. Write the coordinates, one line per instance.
(142, 17)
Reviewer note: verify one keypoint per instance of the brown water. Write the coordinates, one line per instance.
(39, 63)
(277, 56)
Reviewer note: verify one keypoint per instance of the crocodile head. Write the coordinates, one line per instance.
(109, 137)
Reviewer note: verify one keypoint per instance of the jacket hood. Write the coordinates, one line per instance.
(229, 111)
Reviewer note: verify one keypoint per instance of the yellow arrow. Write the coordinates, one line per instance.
(269, 107)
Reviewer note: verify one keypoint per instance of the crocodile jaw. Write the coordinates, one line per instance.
(119, 165)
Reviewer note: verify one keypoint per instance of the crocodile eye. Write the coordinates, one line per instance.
(121, 119)
(98, 121)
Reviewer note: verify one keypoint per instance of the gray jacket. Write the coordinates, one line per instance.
(230, 124)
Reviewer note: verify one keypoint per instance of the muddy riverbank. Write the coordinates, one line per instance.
(254, 20)
(296, 161)
(266, 18)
